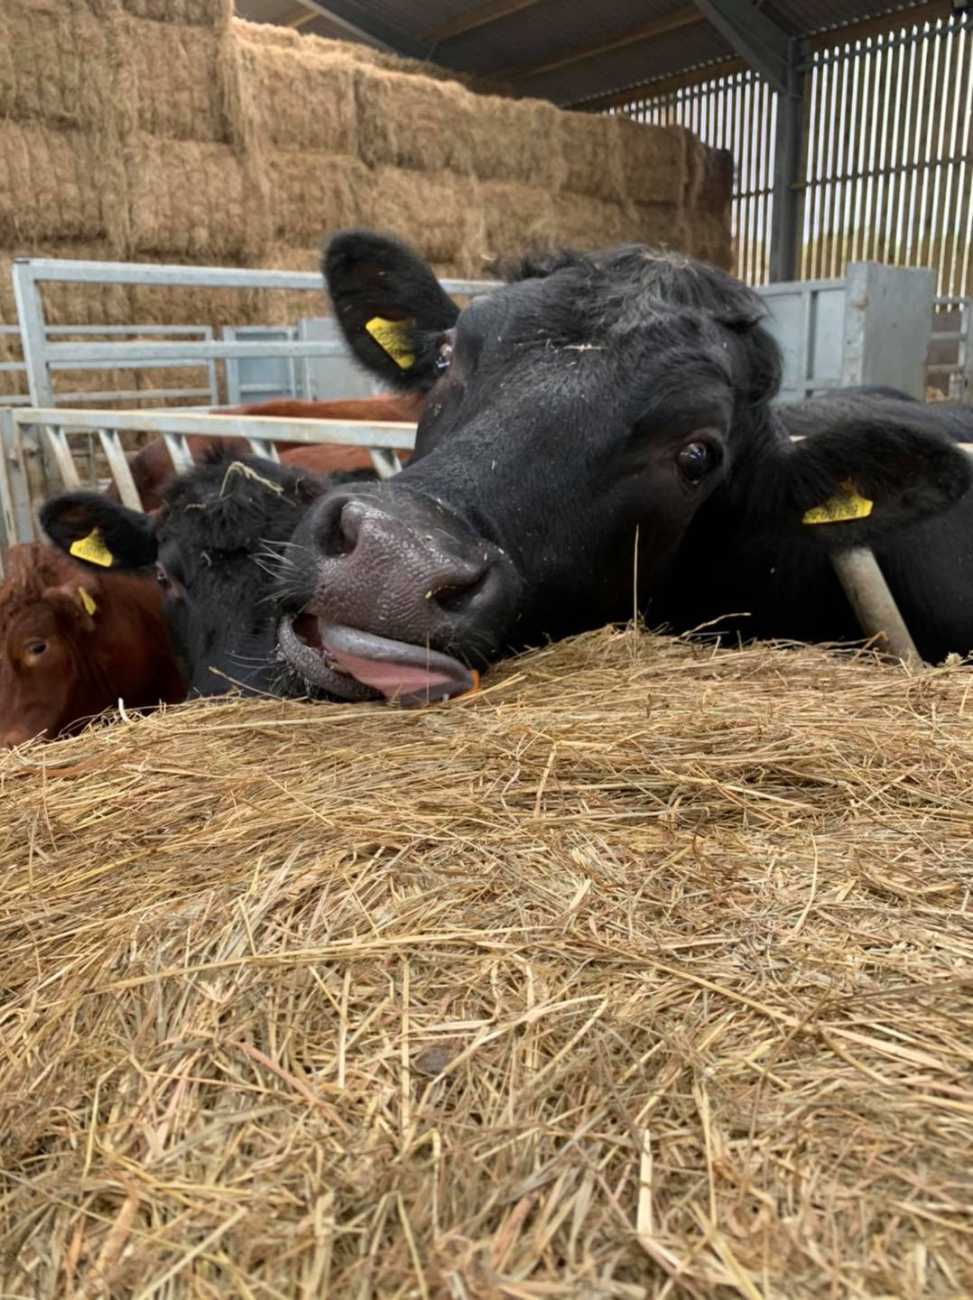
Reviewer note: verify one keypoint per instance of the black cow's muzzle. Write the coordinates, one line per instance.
(396, 598)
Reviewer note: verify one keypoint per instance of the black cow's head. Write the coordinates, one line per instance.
(579, 421)
(217, 545)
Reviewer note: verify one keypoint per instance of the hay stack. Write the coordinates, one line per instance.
(643, 974)
(165, 130)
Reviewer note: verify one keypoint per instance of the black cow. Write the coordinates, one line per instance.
(598, 434)
(218, 544)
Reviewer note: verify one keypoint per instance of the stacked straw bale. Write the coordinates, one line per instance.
(643, 974)
(167, 130)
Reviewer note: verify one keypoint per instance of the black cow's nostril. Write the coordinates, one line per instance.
(339, 526)
(456, 595)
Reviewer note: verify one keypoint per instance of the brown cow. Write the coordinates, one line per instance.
(74, 641)
(152, 466)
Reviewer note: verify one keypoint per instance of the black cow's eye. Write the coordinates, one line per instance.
(444, 354)
(695, 461)
(162, 578)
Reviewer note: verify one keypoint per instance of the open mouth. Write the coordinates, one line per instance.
(354, 665)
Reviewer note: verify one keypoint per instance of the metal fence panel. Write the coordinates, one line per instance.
(337, 376)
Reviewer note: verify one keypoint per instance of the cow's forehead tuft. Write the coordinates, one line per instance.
(33, 567)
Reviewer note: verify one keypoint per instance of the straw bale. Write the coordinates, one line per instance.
(591, 146)
(189, 199)
(320, 47)
(708, 237)
(149, 382)
(716, 189)
(516, 140)
(410, 121)
(58, 63)
(281, 306)
(187, 305)
(663, 226)
(303, 98)
(172, 68)
(515, 217)
(432, 210)
(199, 13)
(414, 122)
(53, 185)
(583, 223)
(313, 194)
(11, 382)
(662, 163)
(644, 973)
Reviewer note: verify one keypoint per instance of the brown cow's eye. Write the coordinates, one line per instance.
(695, 461)
(36, 648)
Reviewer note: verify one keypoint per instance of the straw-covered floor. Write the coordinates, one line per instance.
(645, 973)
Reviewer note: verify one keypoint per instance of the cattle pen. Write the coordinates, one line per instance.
(642, 970)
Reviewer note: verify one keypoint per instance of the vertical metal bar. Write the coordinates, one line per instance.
(808, 310)
(874, 605)
(33, 333)
(853, 161)
(886, 150)
(262, 447)
(111, 445)
(8, 518)
(919, 191)
(214, 385)
(58, 444)
(178, 451)
(967, 173)
(938, 244)
(874, 110)
(908, 157)
(385, 463)
(17, 478)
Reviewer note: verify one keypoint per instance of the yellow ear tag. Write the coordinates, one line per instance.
(92, 549)
(87, 601)
(392, 336)
(843, 506)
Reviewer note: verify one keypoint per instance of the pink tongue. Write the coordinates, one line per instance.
(390, 679)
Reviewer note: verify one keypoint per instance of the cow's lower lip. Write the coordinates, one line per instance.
(355, 665)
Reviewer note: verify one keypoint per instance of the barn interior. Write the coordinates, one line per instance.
(643, 970)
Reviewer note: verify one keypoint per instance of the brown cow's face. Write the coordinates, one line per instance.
(43, 647)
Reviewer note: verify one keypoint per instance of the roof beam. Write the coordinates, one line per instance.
(479, 16)
(659, 86)
(752, 35)
(299, 17)
(371, 32)
(687, 16)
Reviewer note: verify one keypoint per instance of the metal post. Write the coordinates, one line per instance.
(33, 332)
(874, 605)
(788, 148)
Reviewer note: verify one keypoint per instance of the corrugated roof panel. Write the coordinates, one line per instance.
(809, 16)
(658, 57)
(546, 31)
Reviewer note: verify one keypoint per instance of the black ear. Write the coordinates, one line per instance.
(99, 532)
(866, 467)
(389, 305)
